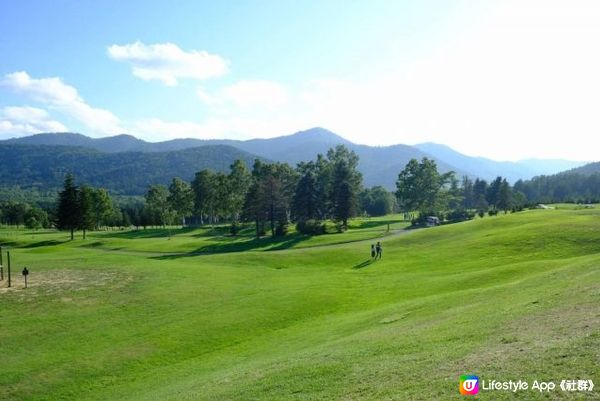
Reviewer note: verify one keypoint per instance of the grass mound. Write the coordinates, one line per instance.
(507, 297)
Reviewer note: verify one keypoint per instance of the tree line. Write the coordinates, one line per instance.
(565, 187)
(422, 188)
(271, 196)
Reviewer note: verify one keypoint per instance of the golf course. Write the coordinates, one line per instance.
(196, 314)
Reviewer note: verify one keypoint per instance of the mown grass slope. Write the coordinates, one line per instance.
(137, 316)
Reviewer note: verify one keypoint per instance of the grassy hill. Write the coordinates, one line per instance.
(138, 316)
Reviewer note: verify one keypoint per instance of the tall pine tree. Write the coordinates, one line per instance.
(68, 211)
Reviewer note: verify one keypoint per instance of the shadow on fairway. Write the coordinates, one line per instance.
(375, 224)
(44, 243)
(243, 245)
(364, 264)
(147, 233)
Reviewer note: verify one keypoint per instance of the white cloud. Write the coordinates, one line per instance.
(167, 62)
(65, 99)
(15, 121)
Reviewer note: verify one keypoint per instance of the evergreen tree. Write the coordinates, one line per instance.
(480, 188)
(345, 203)
(323, 177)
(468, 196)
(67, 211)
(346, 181)
(306, 198)
(505, 198)
(493, 192)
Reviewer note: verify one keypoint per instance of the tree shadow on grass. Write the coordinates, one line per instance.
(44, 243)
(146, 233)
(374, 224)
(225, 245)
(364, 264)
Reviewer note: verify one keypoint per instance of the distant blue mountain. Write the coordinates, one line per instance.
(379, 165)
(489, 169)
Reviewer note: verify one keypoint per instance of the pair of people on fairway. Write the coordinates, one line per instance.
(376, 250)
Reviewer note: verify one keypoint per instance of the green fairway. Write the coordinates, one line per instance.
(199, 315)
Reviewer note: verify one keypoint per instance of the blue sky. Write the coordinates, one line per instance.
(378, 72)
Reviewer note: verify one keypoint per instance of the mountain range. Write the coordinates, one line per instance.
(129, 164)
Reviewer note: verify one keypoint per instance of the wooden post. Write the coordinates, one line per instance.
(8, 265)
(25, 274)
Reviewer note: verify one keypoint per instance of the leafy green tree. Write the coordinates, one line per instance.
(36, 218)
(239, 183)
(419, 185)
(377, 201)
(180, 199)
(157, 201)
(203, 188)
(103, 207)
(14, 213)
(68, 211)
(254, 207)
(221, 201)
(85, 209)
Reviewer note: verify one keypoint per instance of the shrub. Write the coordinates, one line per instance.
(493, 212)
(310, 227)
(460, 215)
(281, 229)
(234, 229)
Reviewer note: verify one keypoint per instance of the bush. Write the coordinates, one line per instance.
(460, 215)
(281, 229)
(481, 213)
(310, 227)
(234, 229)
(493, 212)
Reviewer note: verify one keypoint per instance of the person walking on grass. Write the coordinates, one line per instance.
(378, 250)
(373, 254)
